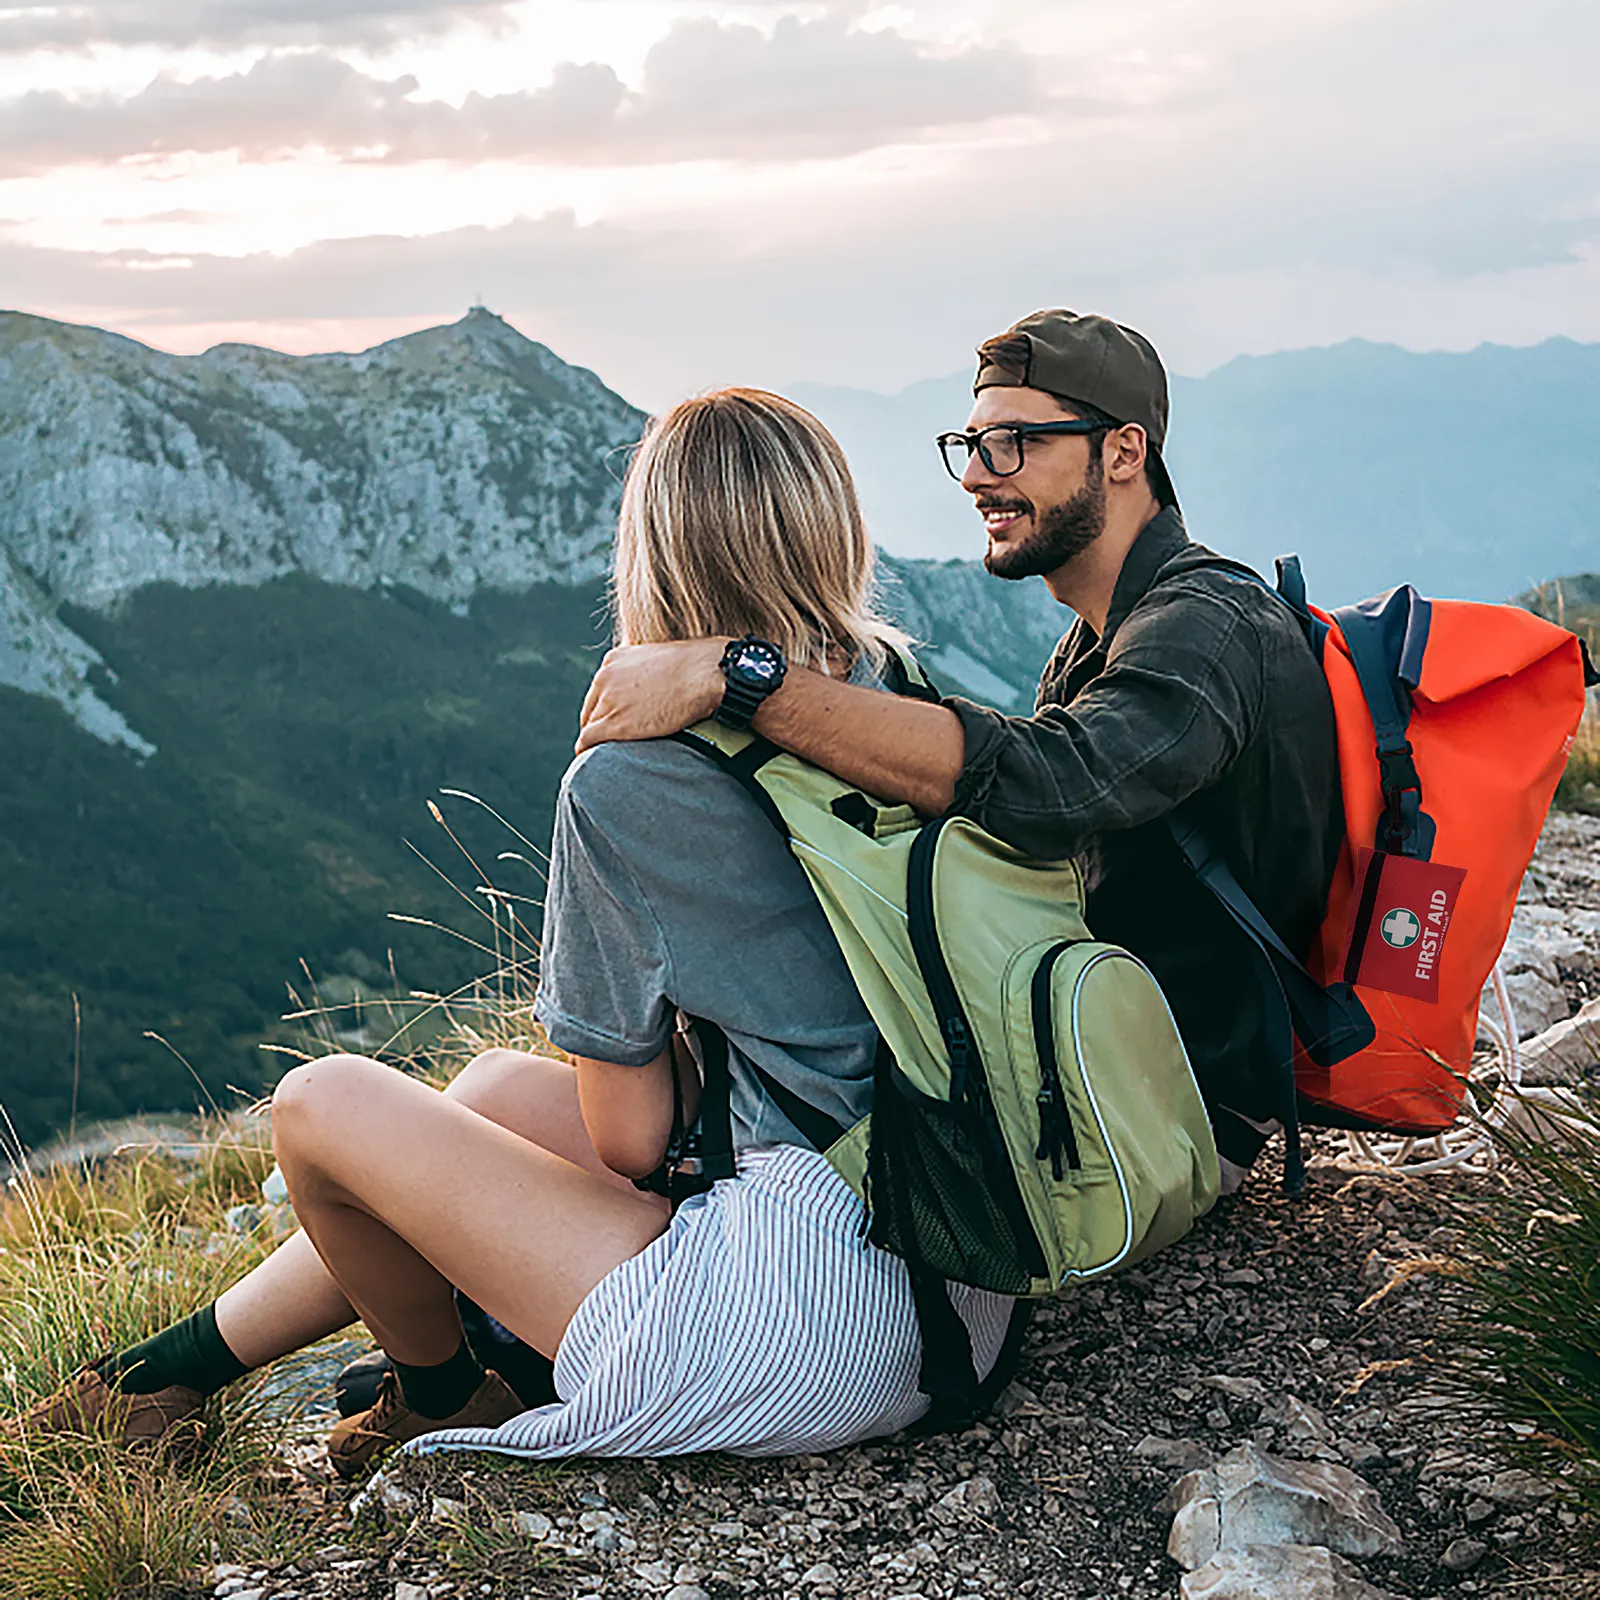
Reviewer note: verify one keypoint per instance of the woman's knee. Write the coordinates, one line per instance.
(499, 1084)
(319, 1094)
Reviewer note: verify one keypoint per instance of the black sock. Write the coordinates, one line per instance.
(441, 1391)
(532, 1376)
(191, 1353)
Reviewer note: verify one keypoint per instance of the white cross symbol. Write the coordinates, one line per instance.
(1400, 928)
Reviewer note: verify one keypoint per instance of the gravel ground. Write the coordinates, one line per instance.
(1296, 1324)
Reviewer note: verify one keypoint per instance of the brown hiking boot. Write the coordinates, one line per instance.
(358, 1441)
(86, 1404)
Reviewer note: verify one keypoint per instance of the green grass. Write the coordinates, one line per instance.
(1520, 1348)
(301, 731)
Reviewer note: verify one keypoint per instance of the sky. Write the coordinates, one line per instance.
(680, 193)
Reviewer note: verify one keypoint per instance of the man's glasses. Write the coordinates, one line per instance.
(1000, 446)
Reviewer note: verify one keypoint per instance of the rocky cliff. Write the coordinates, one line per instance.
(454, 461)
(450, 461)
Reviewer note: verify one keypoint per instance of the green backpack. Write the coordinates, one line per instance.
(1035, 1119)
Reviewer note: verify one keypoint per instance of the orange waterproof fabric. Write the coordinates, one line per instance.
(1491, 727)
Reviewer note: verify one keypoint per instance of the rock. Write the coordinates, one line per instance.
(444, 1511)
(1515, 1487)
(1298, 1420)
(606, 1540)
(823, 1572)
(275, 1189)
(1251, 1498)
(1462, 1555)
(656, 1574)
(242, 1219)
(1278, 1572)
(687, 1591)
(531, 1525)
(410, 1591)
(1177, 1455)
(971, 1494)
(1565, 1053)
(1535, 1002)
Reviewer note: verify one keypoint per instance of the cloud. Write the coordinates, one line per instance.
(232, 23)
(708, 91)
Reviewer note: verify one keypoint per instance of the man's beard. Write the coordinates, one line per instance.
(1064, 532)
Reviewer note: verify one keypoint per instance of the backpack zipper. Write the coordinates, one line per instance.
(1056, 1133)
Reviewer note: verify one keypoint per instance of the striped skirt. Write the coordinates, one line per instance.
(760, 1323)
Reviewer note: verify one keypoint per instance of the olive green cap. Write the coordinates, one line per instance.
(1089, 359)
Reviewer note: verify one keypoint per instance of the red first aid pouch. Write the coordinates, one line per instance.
(1400, 923)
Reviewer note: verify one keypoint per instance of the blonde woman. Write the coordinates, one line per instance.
(756, 1319)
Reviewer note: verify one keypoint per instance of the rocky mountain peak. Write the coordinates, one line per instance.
(452, 460)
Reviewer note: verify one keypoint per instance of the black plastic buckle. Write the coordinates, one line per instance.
(1397, 772)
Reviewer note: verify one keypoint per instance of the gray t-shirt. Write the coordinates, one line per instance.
(669, 889)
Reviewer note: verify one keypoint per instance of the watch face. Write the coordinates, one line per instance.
(756, 664)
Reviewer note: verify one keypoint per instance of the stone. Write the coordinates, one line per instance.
(275, 1188)
(1298, 1420)
(1462, 1555)
(687, 1591)
(1516, 1487)
(1567, 1052)
(242, 1219)
(823, 1572)
(410, 1591)
(605, 1540)
(531, 1525)
(1252, 1498)
(1177, 1455)
(1535, 1002)
(1278, 1572)
(444, 1510)
(971, 1494)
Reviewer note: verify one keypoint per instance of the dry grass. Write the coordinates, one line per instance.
(1580, 783)
(96, 1258)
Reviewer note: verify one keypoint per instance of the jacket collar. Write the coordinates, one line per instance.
(1161, 538)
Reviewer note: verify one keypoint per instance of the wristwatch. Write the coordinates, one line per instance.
(751, 668)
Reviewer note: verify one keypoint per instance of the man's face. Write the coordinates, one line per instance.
(1054, 507)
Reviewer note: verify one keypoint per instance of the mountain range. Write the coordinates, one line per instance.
(258, 611)
(1472, 475)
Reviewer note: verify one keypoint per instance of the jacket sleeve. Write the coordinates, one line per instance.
(1178, 700)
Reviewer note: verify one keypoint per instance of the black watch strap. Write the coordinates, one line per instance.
(740, 702)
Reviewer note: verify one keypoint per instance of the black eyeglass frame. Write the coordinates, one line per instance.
(974, 440)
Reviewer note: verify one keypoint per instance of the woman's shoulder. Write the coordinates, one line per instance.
(626, 776)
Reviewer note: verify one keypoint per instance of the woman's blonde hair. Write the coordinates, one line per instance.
(739, 516)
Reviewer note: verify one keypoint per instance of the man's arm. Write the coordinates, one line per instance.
(908, 751)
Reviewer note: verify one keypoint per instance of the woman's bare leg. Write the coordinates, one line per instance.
(405, 1193)
(291, 1300)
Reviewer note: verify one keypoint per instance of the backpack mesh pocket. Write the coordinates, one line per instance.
(941, 1191)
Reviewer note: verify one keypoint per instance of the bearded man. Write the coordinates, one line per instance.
(1184, 682)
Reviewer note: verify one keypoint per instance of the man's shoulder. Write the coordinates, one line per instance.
(1198, 580)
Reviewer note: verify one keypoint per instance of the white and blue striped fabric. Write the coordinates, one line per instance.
(760, 1323)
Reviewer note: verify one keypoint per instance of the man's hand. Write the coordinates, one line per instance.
(647, 691)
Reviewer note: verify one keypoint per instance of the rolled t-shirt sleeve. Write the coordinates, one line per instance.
(605, 970)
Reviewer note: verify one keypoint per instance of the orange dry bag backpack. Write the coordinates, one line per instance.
(1454, 722)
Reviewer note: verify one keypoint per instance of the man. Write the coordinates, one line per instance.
(1184, 683)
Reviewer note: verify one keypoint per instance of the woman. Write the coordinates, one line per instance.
(755, 1319)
